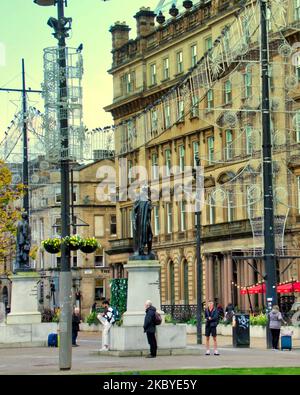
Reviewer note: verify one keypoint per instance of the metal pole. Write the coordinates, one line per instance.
(269, 240)
(65, 283)
(199, 264)
(25, 143)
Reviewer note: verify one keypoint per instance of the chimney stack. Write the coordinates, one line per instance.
(120, 34)
(145, 22)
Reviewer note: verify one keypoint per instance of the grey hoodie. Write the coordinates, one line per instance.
(275, 319)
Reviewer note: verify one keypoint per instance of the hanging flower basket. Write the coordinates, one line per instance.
(52, 245)
(89, 245)
(73, 242)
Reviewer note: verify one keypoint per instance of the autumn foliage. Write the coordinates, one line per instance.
(9, 212)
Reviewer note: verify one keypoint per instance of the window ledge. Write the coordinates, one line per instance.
(179, 74)
(165, 79)
(152, 85)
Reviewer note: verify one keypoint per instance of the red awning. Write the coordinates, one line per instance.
(254, 289)
(282, 288)
(289, 287)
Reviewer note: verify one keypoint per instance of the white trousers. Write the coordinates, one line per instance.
(105, 331)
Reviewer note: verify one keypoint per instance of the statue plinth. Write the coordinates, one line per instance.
(24, 298)
(144, 284)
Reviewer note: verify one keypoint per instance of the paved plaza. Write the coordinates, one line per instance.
(38, 361)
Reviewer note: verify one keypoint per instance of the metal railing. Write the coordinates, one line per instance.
(181, 312)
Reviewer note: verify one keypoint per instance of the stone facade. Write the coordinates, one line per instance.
(140, 77)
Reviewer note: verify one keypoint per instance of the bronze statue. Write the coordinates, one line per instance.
(142, 232)
(23, 244)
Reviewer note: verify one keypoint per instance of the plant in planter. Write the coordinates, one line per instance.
(73, 242)
(52, 245)
(89, 245)
(92, 319)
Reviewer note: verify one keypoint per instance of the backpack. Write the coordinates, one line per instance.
(116, 314)
(157, 319)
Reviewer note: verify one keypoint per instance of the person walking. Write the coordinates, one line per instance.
(106, 319)
(75, 325)
(212, 319)
(275, 320)
(229, 312)
(149, 328)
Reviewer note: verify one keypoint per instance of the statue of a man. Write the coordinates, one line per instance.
(142, 232)
(23, 243)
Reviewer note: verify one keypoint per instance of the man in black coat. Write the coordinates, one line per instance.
(149, 328)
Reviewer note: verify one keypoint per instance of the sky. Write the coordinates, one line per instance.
(24, 33)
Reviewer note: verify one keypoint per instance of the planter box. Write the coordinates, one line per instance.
(84, 327)
(255, 330)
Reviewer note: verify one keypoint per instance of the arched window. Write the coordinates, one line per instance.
(172, 283)
(185, 282)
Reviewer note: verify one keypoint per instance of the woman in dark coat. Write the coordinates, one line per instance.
(75, 326)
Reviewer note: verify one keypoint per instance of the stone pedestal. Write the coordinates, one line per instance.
(143, 284)
(130, 339)
(24, 304)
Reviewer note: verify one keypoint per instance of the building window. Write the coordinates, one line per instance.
(212, 210)
(113, 225)
(250, 201)
(210, 99)
(195, 106)
(226, 40)
(166, 69)
(154, 164)
(249, 144)
(74, 259)
(156, 221)
(181, 158)
(228, 96)
(167, 116)
(179, 61)
(297, 9)
(210, 144)
(153, 74)
(269, 19)
(42, 260)
(246, 31)
(130, 223)
(57, 226)
(229, 145)
(169, 217)
(172, 283)
(195, 152)
(99, 258)
(154, 120)
(168, 161)
(186, 282)
(129, 170)
(180, 110)
(127, 83)
(208, 43)
(57, 194)
(99, 289)
(58, 262)
(248, 83)
(230, 208)
(194, 54)
(99, 225)
(298, 180)
(182, 216)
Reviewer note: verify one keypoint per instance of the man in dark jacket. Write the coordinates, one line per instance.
(149, 328)
(75, 326)
(212, 319)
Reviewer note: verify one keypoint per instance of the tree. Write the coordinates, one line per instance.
(9, 210)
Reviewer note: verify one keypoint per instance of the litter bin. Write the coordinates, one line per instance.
(241, 330)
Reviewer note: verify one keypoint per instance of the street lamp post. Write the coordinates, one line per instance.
(269, 238)
(199, 259)
(61, 27)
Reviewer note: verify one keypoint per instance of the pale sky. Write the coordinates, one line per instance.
(24, 33)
